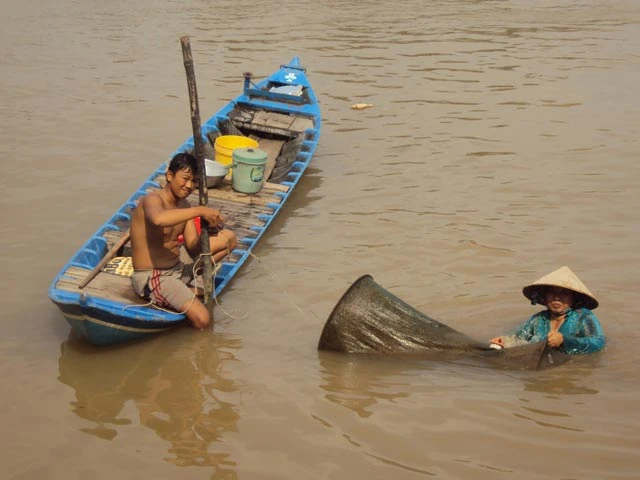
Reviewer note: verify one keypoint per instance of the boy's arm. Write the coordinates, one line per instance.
(159, 216)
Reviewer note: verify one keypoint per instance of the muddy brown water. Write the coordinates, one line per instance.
(503, 143)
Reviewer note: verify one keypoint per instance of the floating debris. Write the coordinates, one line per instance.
(361, 106)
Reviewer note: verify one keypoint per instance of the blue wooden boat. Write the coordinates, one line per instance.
(282, 114)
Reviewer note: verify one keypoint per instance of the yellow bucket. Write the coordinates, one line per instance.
(226, 144)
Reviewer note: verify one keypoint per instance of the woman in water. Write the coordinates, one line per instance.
(568, 323)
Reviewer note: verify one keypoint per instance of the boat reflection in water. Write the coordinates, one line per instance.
(176, 384)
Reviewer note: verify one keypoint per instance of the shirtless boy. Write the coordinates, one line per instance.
(157, 221)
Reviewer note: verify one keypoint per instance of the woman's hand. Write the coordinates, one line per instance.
(555, 339)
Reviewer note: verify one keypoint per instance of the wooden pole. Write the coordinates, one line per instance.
(205, 247)
(108, 256)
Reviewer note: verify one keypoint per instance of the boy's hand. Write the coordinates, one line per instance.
(212, 217)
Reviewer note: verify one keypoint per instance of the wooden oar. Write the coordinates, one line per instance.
(205, 247)
(110, 254)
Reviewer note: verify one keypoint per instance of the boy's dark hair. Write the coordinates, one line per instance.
(183, 161)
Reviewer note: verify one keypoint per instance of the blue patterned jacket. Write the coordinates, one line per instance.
(581, 331)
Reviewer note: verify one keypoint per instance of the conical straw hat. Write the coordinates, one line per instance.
(565, 278)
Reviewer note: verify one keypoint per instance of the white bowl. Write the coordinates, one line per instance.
(215, 172)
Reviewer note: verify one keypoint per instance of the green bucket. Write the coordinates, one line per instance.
(248, 169)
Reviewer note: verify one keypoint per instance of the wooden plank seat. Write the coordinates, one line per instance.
(104, 285)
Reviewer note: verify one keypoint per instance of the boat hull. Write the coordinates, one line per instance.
(100, 327)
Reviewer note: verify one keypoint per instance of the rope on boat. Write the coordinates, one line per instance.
(194, 268)
(215, 271)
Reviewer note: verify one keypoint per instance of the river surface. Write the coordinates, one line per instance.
(503, 142)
